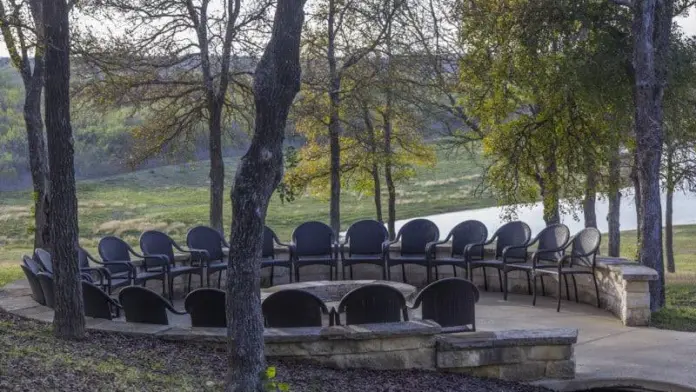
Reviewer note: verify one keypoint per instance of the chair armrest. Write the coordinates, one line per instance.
(469, 247)
(163, 261)
(201, 255)
(431, 247)
(387, 244)
(511, 247)
(279, 242)
(172, 309)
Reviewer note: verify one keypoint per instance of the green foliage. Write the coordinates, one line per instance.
(271, 385)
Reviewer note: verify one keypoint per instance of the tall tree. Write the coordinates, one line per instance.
(276, 82)
(21, 25)
(187, 62)
(342, 34)
(69, 320)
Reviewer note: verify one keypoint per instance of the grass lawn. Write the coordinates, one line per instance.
(175, 198)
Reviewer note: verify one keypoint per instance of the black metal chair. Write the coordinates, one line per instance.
(107, 280)
(581, 260)
(31, 269)
(414, 236)
(116, 257)
(293, 309)
(365, 239)
(449, 302)
(46, 282)
(44, 259)
(511, 234)
(467, 238)
(142, 305)
(550, 244)
(268, 254)
(158, 245)
(206, 308)
(209, 242)
(99, 304)
(373, 303)
(313, 244)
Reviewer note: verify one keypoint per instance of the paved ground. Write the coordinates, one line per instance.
(605, 348)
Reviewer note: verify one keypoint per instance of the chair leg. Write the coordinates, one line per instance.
(500, 280)
(565, 277)
(351, 272)
(534, 291)
(575, 287)
(529, 283)
(272, 274)
(220, 279)
(403, 272)
(596, 287)
(437, 274)
(505, 284)
(543, 289)
(485, 279)
(297, 273)
(560, 288)
(454, 270)
(188, 288)
(343, 271)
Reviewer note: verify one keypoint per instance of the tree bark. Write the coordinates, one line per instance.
(549, 191)
(217, 166)
(276, 82)
(377, 183)
(669, 227)
(37, 155)
(614, 213)
(639, 205)
(334, 122)
(69, 321)
(651, 30)
(590, 200)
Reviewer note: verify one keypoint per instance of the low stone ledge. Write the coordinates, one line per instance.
(520, 337)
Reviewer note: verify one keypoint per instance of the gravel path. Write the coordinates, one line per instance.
(32, 360)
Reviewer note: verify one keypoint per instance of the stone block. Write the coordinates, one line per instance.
(479, 357)
(564, 369)
(637, 286)
(548, 353)
(404, 359)
(637, 300)
(491, 371)
(526, 371)
(636, 317)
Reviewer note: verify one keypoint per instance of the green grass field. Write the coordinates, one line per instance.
(175, 198)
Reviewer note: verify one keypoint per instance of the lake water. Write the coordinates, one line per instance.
(684, 214)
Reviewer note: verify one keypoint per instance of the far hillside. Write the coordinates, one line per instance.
(175, 198)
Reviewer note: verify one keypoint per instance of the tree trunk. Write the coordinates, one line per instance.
(669, 229)
(276, 82)
(549, 191)
(69, 320)
(37, 154)
(391, 189)
(334, 123)
(217, 166)
(372, 139)
(639, 205)
(614, 214)
(651, 30)
(590, 200)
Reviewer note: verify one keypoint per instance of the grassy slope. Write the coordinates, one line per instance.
(175, 198)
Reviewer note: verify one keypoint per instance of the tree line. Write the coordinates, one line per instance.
(567, 99)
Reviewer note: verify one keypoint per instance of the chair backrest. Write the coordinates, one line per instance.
(468, 232)
(31, 264)
(553, 237)
(114, 249)
(313, 239)
(155, 242)
(512, 234)
(416, 234)
(142, 305)
(34, 284)
(206, 238)
(449, 302)
(206, 308)
(373, 303)
(268, 249)
(46, 282)
(44, 259)
(585, 246)
(366, 237)
(97, 303)
(83, 257)
(293, 309)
